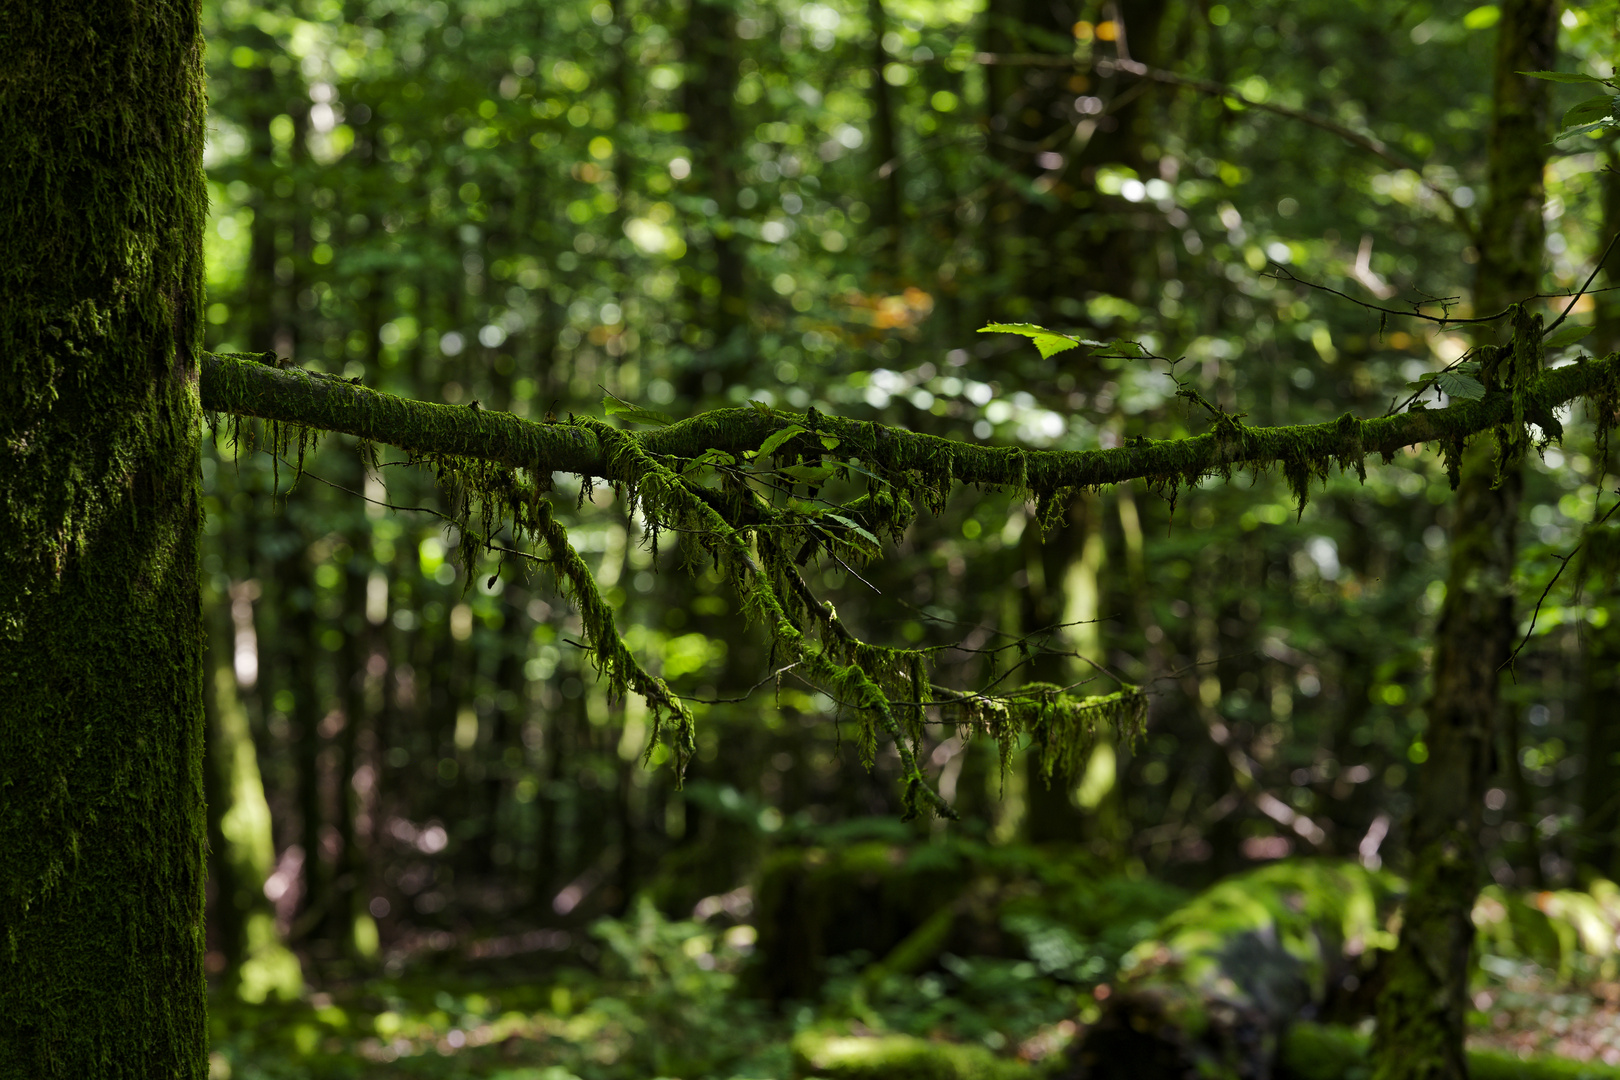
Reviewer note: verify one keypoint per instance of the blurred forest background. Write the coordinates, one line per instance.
(435, 847)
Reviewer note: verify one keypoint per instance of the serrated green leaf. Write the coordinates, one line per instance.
(1563, 76)
(1583, 129)
(777, 438)
(1049, 342)
(616, 406)
(1590, 110)
(1468, 367)
(1421, 384)
(808, 474)
(1565, 336)
(830, 442)
(1458, 385)
(760, 407)
(853, 524)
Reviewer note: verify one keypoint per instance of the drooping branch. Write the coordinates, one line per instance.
(244, 387)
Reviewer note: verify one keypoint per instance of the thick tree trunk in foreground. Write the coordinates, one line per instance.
(102, 207)
(1422, 1011)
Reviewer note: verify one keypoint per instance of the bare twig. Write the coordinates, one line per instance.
(1586, 534)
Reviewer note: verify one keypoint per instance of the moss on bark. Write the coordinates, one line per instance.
(102, 204)
(1423, 1008)
(242, 387)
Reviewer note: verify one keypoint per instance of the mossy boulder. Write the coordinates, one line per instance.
(814, 903)
(1322, 1052)
(834, 1056)
(901, 907)
(1218, 984)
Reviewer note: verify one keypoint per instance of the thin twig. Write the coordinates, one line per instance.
(487, 543)
(777, 674)
(1283, 273)
(1596, 269)
(1586, 534)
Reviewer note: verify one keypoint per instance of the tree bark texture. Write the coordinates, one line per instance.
(102, 207)
(1422, 1011)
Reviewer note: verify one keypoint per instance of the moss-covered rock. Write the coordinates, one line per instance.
(815, 903)
(1321, 1052)
(1222, 978)
(903, 906)
(898, 1057)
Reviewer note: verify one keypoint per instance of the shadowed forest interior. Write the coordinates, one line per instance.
(442, 845)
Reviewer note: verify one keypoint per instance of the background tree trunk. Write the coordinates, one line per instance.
(1422, 1010)
(102, 113)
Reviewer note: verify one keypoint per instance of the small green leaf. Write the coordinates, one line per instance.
(1468, 367)
(853, 525)
(1458, 385)
(1563, 77)
(1424, 383)
(808, 474)
(1590, 110)
(1049, 342)
(713, 457)
(760, 407)
(1483, 17)
(830, 442)
(616, 406)
(1565, 336)
(1583, 129)
(777, 438)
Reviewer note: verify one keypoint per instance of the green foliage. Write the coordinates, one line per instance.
(1589, 116)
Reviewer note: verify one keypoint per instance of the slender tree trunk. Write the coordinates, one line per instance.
(709, 42)
(1600, 789)
(349, 879)
(1422, 1010)
(241, 849)
(885, 153)
(102, 111)
(296, 591)
(228, 918)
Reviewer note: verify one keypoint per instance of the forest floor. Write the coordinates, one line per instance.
(680, 1019)
(1528, 1011)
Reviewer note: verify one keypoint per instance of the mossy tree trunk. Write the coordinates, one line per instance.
(102, 119)
(1422, 1010)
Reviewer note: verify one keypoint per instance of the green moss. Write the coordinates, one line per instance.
(897, 1057)
(1321, 1052)
(915, 465)
(102, 114)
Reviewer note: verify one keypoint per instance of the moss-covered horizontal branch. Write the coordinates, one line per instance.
(244, 387)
